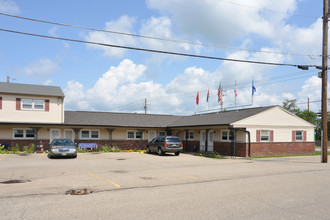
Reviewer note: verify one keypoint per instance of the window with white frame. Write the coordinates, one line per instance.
(264, 135)
(299, 135)
(134, 135)
(227, 135)
(162, 133)
(33, 104)
(90, 134)
(23, 133)
(189, 135)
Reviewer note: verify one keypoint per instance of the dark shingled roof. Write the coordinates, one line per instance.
(118, 119)
(218, 118)
(29, 89)
(157, 121)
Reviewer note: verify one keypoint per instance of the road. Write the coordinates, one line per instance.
(143, 186)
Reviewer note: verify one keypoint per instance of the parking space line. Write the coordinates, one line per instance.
(43, 155)
(2, 156)
(101, 178)
(170, 174)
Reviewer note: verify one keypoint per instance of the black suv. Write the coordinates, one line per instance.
(163, 144)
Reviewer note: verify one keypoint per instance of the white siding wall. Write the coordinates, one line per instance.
(10, 114)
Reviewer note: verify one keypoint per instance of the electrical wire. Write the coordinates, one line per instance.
(159, 51)
(158, 38)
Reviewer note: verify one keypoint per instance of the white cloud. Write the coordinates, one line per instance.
(123, 24)
(220, 21)
(42, 68)
(9, 6)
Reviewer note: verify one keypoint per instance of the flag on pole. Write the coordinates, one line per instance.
(219, 93)
(197, 98)
(253, 88)
(208, 95)
(235, 91)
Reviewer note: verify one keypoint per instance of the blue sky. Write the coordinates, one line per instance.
(96, 78)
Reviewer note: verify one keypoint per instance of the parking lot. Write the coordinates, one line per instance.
(144, 186)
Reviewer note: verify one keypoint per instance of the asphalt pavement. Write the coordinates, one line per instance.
(144, 186)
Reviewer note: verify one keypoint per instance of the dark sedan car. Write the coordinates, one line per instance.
(163, 144)
(62, 148)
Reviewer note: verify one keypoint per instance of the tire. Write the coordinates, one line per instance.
(177, 153)
(75, 156)
(148, 150)
(160, 152)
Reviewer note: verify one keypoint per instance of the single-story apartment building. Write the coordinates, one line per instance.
(36, 114)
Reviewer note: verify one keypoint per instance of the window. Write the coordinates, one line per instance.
(90, 134)
(227, 135)
(264, 135)
(299, 135)
(189, 135)
(162, 133)
(23, 133)
(33, 104)
(134, 135)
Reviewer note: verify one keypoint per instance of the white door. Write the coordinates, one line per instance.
(68, 134)
(210, 141)
(54, 134)
(202, 140)
(151, 135)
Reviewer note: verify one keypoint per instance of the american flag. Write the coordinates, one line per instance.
(208, 95)
(219, 93)
(197, 98)
(235, 91)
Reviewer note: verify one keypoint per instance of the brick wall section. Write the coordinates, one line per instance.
(265, 149)
(190, 146)
(289, 148)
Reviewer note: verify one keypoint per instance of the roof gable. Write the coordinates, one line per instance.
(275, 116)
(29, 89)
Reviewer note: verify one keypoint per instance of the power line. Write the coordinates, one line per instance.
(160, 51)
(157, 38)
(269, 10)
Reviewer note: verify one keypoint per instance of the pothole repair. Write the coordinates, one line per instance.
(121, 159)
(78, 192)
(15, 181)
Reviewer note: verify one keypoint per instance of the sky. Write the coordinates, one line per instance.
(103, 78)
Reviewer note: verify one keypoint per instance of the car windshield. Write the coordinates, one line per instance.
(62, 143)
(173, 140)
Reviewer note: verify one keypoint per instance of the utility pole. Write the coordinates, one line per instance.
(308, 108)
(145, 106)
(324, 150)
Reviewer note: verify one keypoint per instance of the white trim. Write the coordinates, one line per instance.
(302, 136)
(90, 134)
(134, 132)
(189, 136)
(228, 135)
(51, 138)
(24, 133)
(73, 134)
(265, 130)
(32, 104)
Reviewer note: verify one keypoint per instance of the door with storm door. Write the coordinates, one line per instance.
(202, 141)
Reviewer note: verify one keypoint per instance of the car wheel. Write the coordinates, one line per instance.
(177, 153)
(160, 152)
(75, 156)
(148, 150)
